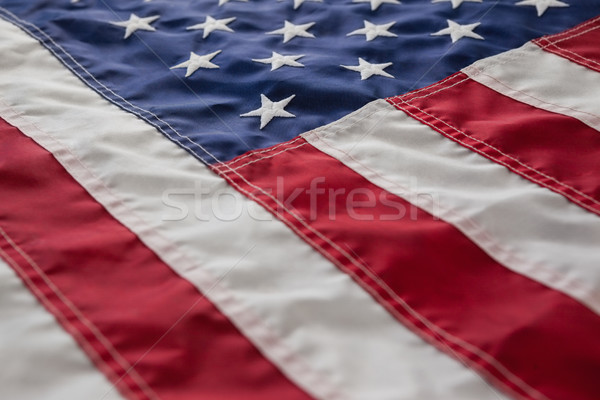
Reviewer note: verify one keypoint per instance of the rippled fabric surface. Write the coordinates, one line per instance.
(202, 111)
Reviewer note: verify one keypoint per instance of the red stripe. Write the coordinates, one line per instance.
(430, 276)
(552, 150)
(114, 294)
(579, 44)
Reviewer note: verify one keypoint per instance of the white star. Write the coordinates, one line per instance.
(376, 3)
(210, 24)
(135, 23)
(277, 60)
(367, 69)
(195, 61)
(542, 5)
(456, 3)
(371, 31)
(457, 31)
(290, 31)
(298, 3)
(269, 110)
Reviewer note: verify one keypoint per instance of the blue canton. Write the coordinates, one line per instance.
(221, 77)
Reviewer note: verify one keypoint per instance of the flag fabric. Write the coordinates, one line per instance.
(363, 200)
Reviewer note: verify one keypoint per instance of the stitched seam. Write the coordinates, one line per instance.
(540, 100)
(97, 334)
(327, 134)
(397, 101)
(573, 35)
(579, 59)
(102, 88)
(517, 161)
(369, 288)
(341, 124)
(590, 208)
(154, 115)
(589, 60)
(376, 279)
(500, 59)
(357, 117)
(492, 362)
(574, 284)
(432, 327)
(300, 137)
(437, 91)
(68, 326)
(268, 156)
(317, 377)
(509, 56)
(481, 231)
(272, 338)
(506, 57)
(345, 254)
(254, 152)
(408, 97)
(95, 331)
(574, 29)
(432, 85)
(99, 83)
(560, 51)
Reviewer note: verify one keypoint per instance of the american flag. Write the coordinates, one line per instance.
(300, 199)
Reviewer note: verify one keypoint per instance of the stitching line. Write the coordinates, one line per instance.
(579, 60)
(574, 284)
(575, 28)
(99, 83)
(409, 97)
(268, 156)
(508, 56)
(544, 102)
(99, 186)
(376, 279)
(89, 349)
(101, 87)
(17, 21)
(223, 174)
(254, 152)
(484, 356)
(513, 159)
(577, 54)
(97, 334)
(341, 128)
(481, 232)
(573, 34)
(432, 85)
(349, 258)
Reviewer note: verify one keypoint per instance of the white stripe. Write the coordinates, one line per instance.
(543, 80)
(309, 318)
(39, 359)
(525, 227)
